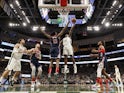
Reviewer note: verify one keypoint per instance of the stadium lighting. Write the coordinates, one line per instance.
(18, 16)
(103, 21)
(113, 16)
(120, 5)
(27, 19)
(96, 28)
(14, 24)
(114, 3)
(43, 28)
(118, 24)
(17, 2)
(121, 24)
(15, 11)
(10, 24)
(89, 28)
(107, 24)
(23, 13)
(108, 13)
(34, 28)
(24, 24)
(11, 5)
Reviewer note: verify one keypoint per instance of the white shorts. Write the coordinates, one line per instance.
(68, 50)
(14, 65)
(99, 69)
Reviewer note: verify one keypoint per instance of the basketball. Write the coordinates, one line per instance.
(73, 20)
(59, 20)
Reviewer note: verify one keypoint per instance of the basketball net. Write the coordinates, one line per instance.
(64, 14)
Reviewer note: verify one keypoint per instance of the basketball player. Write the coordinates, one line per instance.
(101, 65)
(68, 49)
(54, 50)
(14, 62)
(35, 57)
(117, 75)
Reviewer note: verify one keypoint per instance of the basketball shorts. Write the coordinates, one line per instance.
(14, 64)
(35, 63)
(68, 50)
(55, 52)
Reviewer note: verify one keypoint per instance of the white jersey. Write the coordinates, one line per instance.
(67, 41)
(14, 62)
(18, 52)
(117, 72)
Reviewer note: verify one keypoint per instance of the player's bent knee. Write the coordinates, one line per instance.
(40, 69)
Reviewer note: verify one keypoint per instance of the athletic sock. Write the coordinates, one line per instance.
(100, 81)
(107, 83)
(49, 70)
(97, 80)
(57, 69)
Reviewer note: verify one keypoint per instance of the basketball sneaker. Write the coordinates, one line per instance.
(12, 82)
(38, 83)
(32, 84)
(49, 75)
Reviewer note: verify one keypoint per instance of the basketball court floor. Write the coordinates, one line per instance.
(56, 89)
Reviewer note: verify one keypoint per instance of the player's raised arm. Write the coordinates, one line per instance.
(63, 30)
(47, 35)
(70, 32)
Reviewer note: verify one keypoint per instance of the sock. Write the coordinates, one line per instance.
(65, 66)
(100, 81)
(97, 80)
(57, 69)
(107, 83)
(49, 70)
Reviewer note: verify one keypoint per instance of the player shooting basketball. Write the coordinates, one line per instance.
(54, 49)
(68, 48)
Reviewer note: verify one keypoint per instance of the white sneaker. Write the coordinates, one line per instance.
(96, 86)
(32, 84)
(49, 75)
(56, 73)
(75, 68)
(38, 83)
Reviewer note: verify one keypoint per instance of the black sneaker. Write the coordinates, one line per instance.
(12, 82)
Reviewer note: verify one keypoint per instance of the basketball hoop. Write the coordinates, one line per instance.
(64, 12)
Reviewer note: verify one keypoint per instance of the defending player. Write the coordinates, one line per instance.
(35, 57)
(54, 49)
(68, 49)
(102, 63)
(14, 62)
